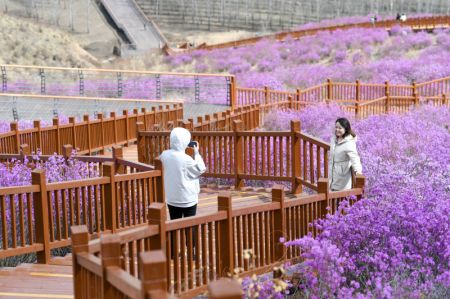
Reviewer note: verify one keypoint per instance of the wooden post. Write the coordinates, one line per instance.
(74, 135)
(113, 116)
(226, 247)
(324, 188)
(233, 93)
(228, 120)
(117, 153)
(157, 216)
(238, 154)
(329, 90)
(41, 215)
(414, 88)
(140, 142)
(360, 181)
(58, 135)
(279, 223)
(199, 123)
(387, 95)
(88, 124)
(444, 99)
(153, 274)
(127, 126)
(144, 113)
(208, 121)
(37, 125)
(180, 111)
(67, 151)
(160, 194)
(224, 288)
(295, 156)
(80, 239)
(266, 95)
(358, 91)
(100, 117)
(111, 254)
(111, 216)
(291, 102)
(14, 126)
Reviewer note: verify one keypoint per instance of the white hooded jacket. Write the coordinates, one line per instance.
(181, 172)
(343, 157)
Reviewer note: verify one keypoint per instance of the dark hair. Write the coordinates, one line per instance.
(346, 125)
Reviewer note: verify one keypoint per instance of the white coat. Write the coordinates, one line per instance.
(343, 157)
(181, 172)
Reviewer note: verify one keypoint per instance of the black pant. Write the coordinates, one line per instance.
(177, 213)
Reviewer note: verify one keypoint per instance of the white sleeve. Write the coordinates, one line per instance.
(330, 159)
(195, 167)
(354, 158)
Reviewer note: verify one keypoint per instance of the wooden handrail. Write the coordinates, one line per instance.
(304, 32)
(87, 135)
(218, 249)
(269, 157)
(52, 207)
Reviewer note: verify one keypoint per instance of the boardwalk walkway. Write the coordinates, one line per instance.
(55, 280)
(128, 17)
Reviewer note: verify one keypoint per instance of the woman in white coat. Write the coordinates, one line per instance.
(181, 175)
(343, 156)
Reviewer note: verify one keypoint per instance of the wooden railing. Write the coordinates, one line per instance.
(37, 218)
(419, 23)
(89, 135)
(292, 156)
(198, 250)
(250, 115)
(362, 99)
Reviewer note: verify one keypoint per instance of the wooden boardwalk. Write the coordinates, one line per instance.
(38, 281)
(55, 280)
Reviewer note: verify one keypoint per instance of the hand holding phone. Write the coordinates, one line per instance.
(193, 144)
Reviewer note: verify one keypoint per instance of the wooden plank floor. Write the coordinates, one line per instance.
(38, 281)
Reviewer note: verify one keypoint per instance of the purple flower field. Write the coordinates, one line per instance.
(395, 243)
(370, 55)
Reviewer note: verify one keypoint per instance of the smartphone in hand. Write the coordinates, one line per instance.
(193, 144)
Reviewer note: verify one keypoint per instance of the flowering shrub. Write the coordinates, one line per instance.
(400, 58)
(394, 243)
(18, 173)
(56, 168)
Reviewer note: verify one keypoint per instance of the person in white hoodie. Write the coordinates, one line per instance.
(343, 156)
(181, 175)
